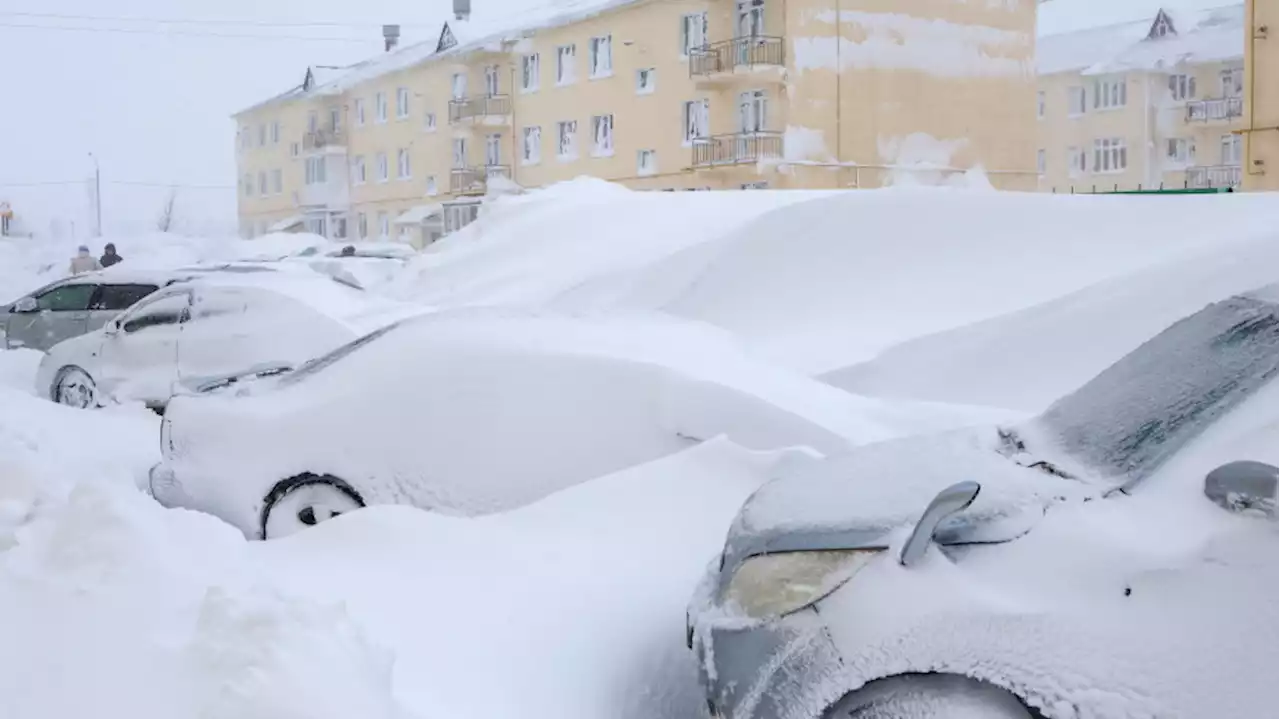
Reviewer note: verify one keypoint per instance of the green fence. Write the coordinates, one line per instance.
(1094, 190)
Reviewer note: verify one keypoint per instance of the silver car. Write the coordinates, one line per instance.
(876, 584)
(73, 306)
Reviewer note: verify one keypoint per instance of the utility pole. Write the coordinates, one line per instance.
(97, 196)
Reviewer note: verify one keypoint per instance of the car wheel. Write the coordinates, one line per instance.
(930, 696)
(305, 501)
(74, 387)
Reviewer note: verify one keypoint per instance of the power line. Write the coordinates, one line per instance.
(186, 33)
(199, 21)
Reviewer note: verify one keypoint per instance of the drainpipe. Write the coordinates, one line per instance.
(839, 77)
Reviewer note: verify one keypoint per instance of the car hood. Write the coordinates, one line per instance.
(863, 498)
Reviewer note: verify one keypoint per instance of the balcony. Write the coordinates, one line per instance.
(1213, 176)
(740, 57)
(489, 109)
(736, 149)
(475, 180)
(1220, 108)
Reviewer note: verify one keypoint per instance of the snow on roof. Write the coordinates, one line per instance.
(1203, 35)
(286, 223)
(418, 214)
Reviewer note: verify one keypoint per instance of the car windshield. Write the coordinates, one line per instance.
(323, 361)
(1140, 411)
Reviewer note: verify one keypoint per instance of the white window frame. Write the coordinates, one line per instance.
(1077, 161)
(429, 122)
(294, 150)
(262, 183)
(1231, 149)
(646, 80)
(275, 133)
(458, 86)
(1182, 87)
(404, 164)
(646, 162)
(359, 172)
(1040, 104)
(246, 137)
(566, 64)
(362, 226)
(493, 150)
(1077, 101)
(602, 136)
(432, 188)
(1041, 161)
(384, 226)
(1180, 151)
(693, 32)
(262, 134)
(600, 57)
(248, 185)
(380, 107)
(402, 103)
(1110, 155)
(530, 72)
(335, 119)
(315, 170)
(382, 170)
(1110, 93)
(359, 105)
(460, 151)
(531, 146)
(567, 140)
(695, 115)
(277, 181)
(492, 81)
(1231, 82)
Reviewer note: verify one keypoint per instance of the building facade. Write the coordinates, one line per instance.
(653, 94)
(1153, 104)
(1260, 96)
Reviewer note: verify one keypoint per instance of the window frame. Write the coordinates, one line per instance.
(652, 169)
(530, 72)
(566, 69)
(531, 145)
(567, 140)
(602, 127)
(643, 88)
(402, 103)
(600, 57)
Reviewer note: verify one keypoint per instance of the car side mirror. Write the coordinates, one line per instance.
(947, 502)
(111, 328)
(1243, 486)
(26, 304)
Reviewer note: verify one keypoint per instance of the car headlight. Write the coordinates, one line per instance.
(771, 585)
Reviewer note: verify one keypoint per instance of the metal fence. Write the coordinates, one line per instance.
(319, 139)
(1213, 176)
(736, 149)
(726, 55)
(1220, 108)
(475, 179)
(483, 106)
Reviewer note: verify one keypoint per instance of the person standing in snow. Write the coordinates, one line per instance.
(84, 262)
(109, 256)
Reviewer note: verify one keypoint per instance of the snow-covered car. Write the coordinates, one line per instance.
(210, 327)
(481, 410)
(1050, 568)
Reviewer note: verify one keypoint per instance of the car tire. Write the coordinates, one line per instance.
(304, 501)
(930, 696)
(74, 387)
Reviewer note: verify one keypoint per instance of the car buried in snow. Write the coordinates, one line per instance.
(1021, 571)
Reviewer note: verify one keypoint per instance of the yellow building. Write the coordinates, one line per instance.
(670, 95)
(1260, 82)
(1143, 105)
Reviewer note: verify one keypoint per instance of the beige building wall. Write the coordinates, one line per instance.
(1261, 83)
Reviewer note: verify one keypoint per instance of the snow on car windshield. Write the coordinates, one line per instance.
(323, 361)
(1141, 410)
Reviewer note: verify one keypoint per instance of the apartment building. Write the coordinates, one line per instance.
(1261, 83)
(1143, 105)
(653, 94)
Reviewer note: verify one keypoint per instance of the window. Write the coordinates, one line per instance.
(567, 139)
(315, 171)
(646, 79)
(1077, 161)
(601, 56)
(753, 111)
(750, 21)
(402, 103)
(359, 103)
(1109, 93)
(67, 298)
(362, 225)
(602, 134)
(262, 184)
(458, 216)
(1040, 161)
(165, 311)
(432, 190)
(1162, 26)
(1040, 104)
(246, 139)
(696, 115)
(491, 80)
(459, 152)
(277, 181)
(1109, 155)
(384, 225)
(693, 32)
(248, 185)
(403, 170)
(381, 160)
(1075, 101)
(120, 297)
(294, 150)
(429, 123)
(335, 119)
(459, 85)
(359, 174)
(492, 150)
(1180, 150)
(313, 123)
(1231, 147)
(1182, 87)
(380, 107)
(275, 133)
(565, 55)
(1232, 82)
(529, 72)
(262, 135)
(531, 147)
(340, 227)
(647, 162)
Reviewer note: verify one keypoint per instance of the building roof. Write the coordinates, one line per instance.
(1197, 36)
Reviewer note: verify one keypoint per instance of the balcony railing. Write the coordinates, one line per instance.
(320, 139)
(1220, 108)
(726, 55)
(475, 179)
(465, 108)
(736, 149)
(1213, 176)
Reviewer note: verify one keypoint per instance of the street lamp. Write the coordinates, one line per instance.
(97, 195)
